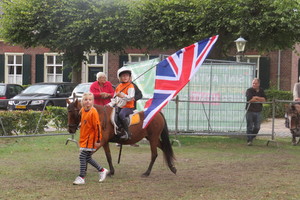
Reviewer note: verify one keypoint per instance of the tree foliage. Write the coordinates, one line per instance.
(68, 26)
(266, 24)
(58, 24)
(77, 26)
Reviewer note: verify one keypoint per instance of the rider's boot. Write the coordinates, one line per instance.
(127, 135)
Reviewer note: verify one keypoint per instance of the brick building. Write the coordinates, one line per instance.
(279, 69)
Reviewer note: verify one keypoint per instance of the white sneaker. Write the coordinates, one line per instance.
(79, 181)
(102, 175)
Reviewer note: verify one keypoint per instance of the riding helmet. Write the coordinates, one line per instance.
(123, 70)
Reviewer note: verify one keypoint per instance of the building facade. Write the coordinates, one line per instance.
(278, 69)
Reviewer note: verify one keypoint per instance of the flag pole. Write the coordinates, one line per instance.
(138, 77)
(160, 59)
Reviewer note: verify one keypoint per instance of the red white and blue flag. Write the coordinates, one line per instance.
(174, 72)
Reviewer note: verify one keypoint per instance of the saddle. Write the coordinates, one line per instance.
(132, 119)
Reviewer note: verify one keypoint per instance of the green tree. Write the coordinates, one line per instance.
(71, 27)
(76, 26)
(266, 24)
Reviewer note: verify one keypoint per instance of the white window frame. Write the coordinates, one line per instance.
(247, 58)
(137, 55)
(56, 76)
(17, 79)
(86, 65)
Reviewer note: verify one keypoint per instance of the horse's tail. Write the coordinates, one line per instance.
(167, 147)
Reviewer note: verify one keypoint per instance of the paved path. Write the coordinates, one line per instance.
(266, 128)
(279, 128)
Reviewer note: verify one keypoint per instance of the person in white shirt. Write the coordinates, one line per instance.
(296, 91)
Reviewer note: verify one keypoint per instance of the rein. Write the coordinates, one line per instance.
(76, 125)
(105, 118)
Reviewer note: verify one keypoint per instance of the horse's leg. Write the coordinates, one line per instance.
(168, 157)
(153, 157)
(294, 142)
(108, 158)
(294, 138)
(298, 141)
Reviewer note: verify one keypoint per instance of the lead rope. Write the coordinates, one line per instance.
(105, 118)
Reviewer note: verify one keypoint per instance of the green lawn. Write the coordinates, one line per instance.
(207, 168)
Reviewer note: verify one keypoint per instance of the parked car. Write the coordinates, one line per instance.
(79, 90)
(8, 91)
(39, 95)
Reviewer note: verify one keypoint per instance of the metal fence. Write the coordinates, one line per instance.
(209, 123)
(203, 120)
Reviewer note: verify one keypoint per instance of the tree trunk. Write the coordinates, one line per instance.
(76, 75)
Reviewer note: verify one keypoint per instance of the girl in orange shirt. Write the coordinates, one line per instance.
(89, 138)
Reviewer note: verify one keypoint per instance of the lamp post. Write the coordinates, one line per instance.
(240, 46)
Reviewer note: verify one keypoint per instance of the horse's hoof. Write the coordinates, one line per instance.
(110, 174)
(294, 144)
(146, 174)
(173, 169)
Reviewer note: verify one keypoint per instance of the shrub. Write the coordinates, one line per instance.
(29, 121)
(279, 107)
(9, 123)
(267, 111)
(25, 86)
(33, 122)
(58, 116)
(15, 122)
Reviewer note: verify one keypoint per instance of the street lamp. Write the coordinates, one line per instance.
(240, 46)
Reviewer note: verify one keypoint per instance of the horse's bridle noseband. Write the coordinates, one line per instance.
(76, 125)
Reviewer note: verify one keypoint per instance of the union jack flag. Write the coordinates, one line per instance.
(174, 72)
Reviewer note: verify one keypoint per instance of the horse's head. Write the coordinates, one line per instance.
(73, 115)
(293, 116)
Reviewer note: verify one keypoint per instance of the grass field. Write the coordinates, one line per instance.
(207, 168)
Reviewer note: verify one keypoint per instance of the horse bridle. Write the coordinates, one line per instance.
(78, 117)
(296, 115)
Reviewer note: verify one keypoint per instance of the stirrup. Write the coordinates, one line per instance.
(126, 136)
(119, 132)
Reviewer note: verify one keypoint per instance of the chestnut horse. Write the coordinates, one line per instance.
(293, 121)
(156, 133)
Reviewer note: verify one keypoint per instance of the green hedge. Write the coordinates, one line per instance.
(279, 107)
(59, 116)
(278, 94)
(25, 122)
(10, 123)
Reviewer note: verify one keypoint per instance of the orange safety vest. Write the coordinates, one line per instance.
(129, 104)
